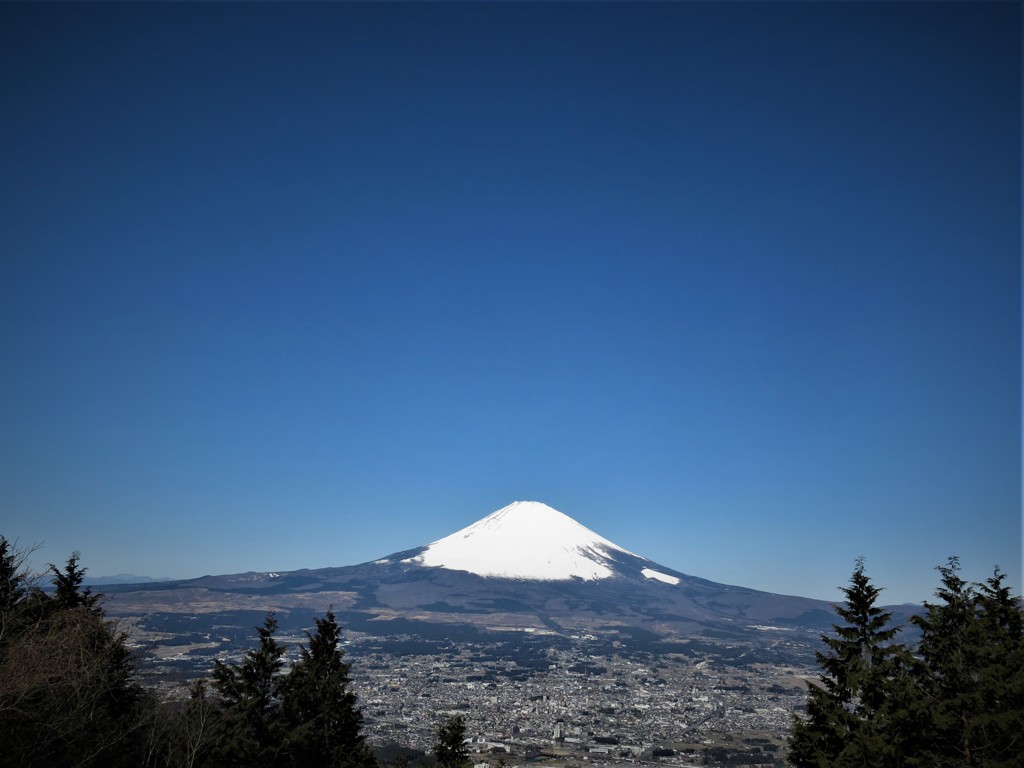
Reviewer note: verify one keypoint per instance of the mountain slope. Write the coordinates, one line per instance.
(525, 567)
(526, 540)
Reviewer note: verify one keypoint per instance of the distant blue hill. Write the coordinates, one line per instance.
(120, 578)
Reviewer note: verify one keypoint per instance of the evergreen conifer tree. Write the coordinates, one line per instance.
(948, 649)
(13, 587)
(251, 732)
(970, 674)
(1001, 673)
(69, 592)
(450, 749)
(846, 723)
(13, 590)
(322, 722)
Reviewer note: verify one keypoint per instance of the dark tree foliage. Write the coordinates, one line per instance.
(13, 586)
(450, 749)
(68, 695)
(198, 726)
(69, 592)
(970, 673)
(14, 589)
(846, 721)
(1001, 670)
(183, 737)
(264, 716)
(321, 720)
(251, 732)
(955, 701)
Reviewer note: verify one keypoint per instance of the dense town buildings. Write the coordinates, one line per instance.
(563, 700)
(601, 707)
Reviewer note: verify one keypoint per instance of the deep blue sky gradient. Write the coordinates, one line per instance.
(299, 285)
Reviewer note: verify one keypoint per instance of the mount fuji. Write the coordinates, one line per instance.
(530, 541)
(524, 568)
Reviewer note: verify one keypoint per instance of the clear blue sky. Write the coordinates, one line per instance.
(735, 285)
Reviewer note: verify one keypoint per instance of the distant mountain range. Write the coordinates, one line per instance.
(120, 578)
(524, 568)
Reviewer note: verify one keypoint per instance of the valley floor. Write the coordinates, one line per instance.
(566, 704)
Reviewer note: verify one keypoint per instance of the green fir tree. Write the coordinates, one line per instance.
(321, 720)
(250, 736)
(970, 674)
(1001, 674)
(450, 749)
(846, 723)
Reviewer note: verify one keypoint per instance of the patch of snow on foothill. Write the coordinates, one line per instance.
(650, 573)
(525, 540)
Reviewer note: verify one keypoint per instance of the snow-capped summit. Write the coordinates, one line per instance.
(525, 540)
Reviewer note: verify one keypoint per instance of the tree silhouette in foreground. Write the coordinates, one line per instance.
(971, 674)
(68, 694)
(319, 714)
(846, 713)
(954, 701)
(306, 716)
(250, 733)
(450, 749)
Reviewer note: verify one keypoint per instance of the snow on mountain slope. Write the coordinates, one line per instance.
(525, 540)
(650, 573)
